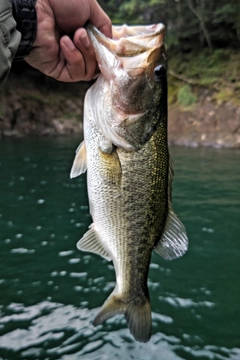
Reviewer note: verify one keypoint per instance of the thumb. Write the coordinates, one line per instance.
(100, 19)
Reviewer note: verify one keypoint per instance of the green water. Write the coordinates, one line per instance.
(50, 292)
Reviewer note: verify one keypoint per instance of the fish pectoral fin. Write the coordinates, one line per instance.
(138, 316)
(80, 162)
(174, 241)
(90, 242)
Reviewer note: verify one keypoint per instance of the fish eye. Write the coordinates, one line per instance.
(159, 72)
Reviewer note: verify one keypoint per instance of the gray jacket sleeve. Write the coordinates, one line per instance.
(9, 38)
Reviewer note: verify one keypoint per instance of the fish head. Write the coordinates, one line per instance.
(133, 65)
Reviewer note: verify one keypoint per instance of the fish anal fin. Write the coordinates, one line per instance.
(138, 316)
(174, 241)
(90, 242)
(80, 162)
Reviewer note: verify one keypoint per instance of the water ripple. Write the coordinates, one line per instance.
(50, 293)
(185, 303)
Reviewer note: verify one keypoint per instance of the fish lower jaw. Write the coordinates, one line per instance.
(123, 114)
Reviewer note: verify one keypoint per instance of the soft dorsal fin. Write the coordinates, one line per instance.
(174, 241)
(80, 162)
(90, 242)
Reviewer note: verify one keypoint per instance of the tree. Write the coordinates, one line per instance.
(198, 9)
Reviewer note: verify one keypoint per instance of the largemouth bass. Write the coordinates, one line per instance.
(129, 171)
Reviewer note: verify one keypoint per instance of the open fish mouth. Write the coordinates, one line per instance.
(131, 49)
(130, 39)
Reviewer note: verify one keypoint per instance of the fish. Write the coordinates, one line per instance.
(129, 169)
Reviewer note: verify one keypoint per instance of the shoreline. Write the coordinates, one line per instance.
(35, 105)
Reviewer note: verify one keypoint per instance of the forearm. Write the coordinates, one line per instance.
(9, 38)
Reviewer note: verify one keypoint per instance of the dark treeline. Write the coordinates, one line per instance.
(190, 23)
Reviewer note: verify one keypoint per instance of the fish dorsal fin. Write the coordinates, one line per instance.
(80, 162)
(90, 242)
(174, 241)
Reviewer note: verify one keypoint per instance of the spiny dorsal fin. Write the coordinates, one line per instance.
(138, 316)
(80, 161)
(174, 241)
(90, 242)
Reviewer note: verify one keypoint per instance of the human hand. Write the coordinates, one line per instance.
(57, 55)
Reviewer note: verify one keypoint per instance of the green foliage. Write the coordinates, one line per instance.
(173, 88)
(202, 67)
(185, 96)
(36, 97)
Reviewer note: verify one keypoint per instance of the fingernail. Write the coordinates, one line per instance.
(84, 40)
(69, 44)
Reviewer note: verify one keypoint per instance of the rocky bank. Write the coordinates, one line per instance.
(34, 105)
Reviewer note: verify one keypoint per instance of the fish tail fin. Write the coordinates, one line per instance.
(139, 320)
(138, 316)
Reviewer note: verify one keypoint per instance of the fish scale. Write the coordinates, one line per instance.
(129, 172)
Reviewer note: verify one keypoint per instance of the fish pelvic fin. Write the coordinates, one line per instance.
(174, 241)
(138, 316)
(80, 162)
(90, 242)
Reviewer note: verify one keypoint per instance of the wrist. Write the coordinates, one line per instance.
(24, 13)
